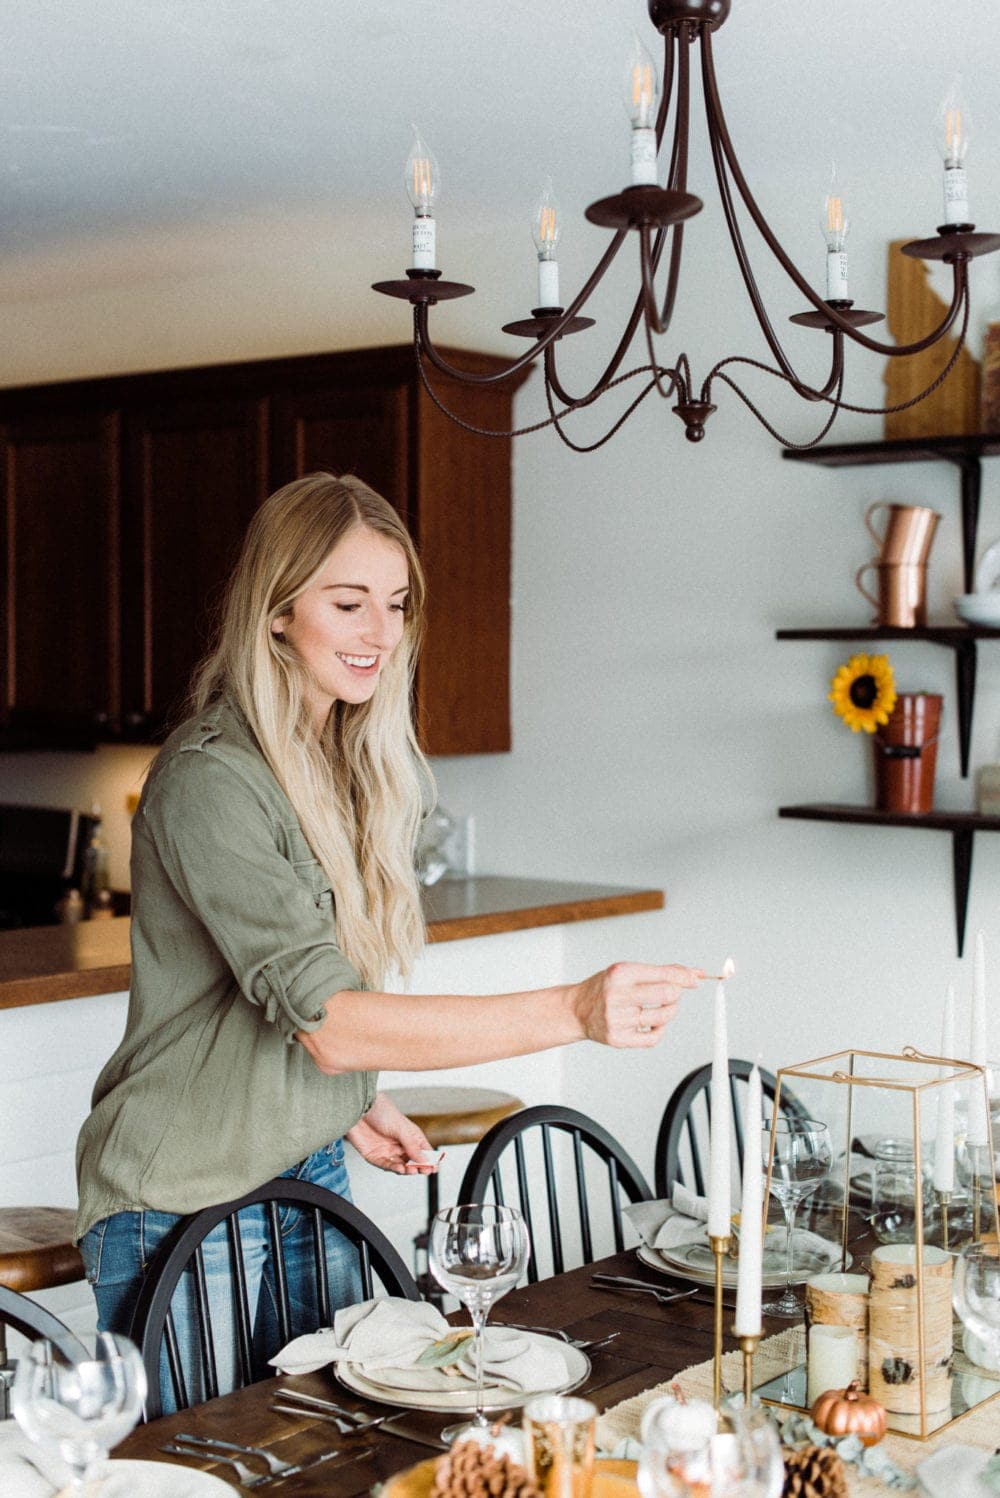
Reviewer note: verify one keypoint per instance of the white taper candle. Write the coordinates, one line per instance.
(719, 1187)
(944, 1140)
(749, 1273)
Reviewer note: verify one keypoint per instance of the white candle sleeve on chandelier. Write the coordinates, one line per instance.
(424, 242)
(548, 283)
(944, 1139)
(719, 1202)
(749, 1273)
(836, 275)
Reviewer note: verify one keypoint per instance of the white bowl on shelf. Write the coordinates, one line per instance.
(979, 608)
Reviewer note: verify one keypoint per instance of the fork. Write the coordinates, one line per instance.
(275, 1465)
(247, 1479)
(348, 1422)
(584, 1345)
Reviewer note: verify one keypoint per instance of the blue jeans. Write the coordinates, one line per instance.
(117, 1250)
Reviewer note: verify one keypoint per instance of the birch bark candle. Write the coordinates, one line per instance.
(841, 1300)
(895, 1374)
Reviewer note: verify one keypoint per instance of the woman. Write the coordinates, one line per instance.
(273, 891)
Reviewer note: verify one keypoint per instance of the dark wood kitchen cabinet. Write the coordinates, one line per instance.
(126, 499)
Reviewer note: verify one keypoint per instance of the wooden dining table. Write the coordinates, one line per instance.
(654, 1343)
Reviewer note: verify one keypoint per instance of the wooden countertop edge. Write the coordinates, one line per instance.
(92, 981)
(628, 902)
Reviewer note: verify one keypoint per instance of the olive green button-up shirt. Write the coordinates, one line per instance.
(233, 950)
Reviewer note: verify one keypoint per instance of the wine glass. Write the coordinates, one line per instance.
(975, 1294)
(477, 1252)
(79, 1410)
(802, 1159)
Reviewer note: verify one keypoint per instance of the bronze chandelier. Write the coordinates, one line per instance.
(656, 215)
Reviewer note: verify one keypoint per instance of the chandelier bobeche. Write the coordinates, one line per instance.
(656, 215)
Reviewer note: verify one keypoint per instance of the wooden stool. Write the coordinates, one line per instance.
(448, 1115)
(37, 1252)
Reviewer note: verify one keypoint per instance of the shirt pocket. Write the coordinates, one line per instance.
(309, 870)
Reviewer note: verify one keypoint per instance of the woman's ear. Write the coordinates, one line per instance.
(278, 626)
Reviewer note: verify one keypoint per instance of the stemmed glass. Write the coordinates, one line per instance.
(975, 1294)
(79, 1410)
(477, 1253)
(802, 1159)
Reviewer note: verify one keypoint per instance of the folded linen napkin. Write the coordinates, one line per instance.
(383, 1340)
(668, 1224)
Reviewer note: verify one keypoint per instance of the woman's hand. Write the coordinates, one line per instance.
(631, 1003)
(388, 1139)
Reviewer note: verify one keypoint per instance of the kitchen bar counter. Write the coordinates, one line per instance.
(43, 964)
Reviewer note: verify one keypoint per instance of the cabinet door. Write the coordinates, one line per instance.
(195, 471)
(59, 538)
(339, 428)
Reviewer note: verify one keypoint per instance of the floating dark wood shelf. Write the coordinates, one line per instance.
(961, 638)
(961, 824)
(965, 452)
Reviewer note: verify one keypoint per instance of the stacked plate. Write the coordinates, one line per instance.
(695, 1261)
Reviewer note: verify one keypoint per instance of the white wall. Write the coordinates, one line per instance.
(657, 722)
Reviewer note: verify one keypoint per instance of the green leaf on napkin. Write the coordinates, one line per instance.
(447, 1351)
(990, 1474)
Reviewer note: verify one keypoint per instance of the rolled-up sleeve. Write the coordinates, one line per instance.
(269, 914)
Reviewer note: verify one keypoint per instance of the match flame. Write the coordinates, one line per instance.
(728, 968)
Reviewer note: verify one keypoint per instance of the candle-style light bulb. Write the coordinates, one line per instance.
(641, 100)
(422, 182)
(954, 131)
(545, 232)
(834, 223)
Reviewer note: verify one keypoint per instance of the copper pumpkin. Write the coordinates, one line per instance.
(849, 1412)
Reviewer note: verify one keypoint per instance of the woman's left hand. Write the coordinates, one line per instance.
(389, 1140)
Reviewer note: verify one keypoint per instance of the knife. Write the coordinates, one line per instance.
(390, 1424)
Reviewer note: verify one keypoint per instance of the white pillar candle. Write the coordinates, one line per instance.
(832, 1359)
(719, 1202)
(750, 1263)
(944, 1140)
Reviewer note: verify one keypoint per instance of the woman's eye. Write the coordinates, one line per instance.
(399, 608)
(348, 608)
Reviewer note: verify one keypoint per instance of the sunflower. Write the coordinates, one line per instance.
(863, 692)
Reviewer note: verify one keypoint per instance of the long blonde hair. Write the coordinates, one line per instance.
(360, 792)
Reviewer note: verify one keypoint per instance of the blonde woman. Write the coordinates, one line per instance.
(273, 892)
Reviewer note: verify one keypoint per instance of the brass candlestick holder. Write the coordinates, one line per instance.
(720, 1248)
(944, 1201)
(748, 1346)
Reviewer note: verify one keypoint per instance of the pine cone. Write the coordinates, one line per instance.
(814, 1472)
(473, 1471)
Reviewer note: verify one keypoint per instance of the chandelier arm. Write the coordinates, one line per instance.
(668, 88)
(421, 323)
(556, 417)
(835, 405)
(719, 135)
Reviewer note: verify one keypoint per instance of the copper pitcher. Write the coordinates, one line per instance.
(909, 531)
(902, 593)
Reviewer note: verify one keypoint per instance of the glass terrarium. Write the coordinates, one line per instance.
(911, 1182)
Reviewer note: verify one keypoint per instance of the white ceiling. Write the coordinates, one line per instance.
(138, 114)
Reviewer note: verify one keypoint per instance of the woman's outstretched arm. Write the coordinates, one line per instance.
(627, 1005)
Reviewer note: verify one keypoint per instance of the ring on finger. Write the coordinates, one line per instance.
(643, 1029)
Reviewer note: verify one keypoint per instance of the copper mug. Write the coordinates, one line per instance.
(909, 531)
(902, 593)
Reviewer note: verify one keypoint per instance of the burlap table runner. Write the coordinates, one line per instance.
(775, 1355)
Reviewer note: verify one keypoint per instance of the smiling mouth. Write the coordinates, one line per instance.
(358, 662)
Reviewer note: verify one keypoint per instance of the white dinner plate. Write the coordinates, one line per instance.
(696, 1262)
(463, 1399)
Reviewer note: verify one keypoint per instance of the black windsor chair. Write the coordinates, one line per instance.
(33, 1321)
(177, 1268)
(682, 1141)
(546, 1155)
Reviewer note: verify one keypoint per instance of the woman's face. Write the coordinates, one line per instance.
(349, 620)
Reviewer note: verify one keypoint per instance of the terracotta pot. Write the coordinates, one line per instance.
(906, 754)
